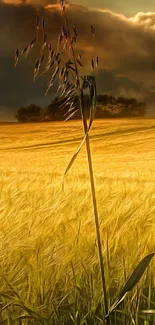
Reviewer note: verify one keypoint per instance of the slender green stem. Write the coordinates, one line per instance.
(98, 235)
(91, 175)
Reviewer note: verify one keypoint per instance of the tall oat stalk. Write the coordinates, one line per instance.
(90, 166)
(71, 96)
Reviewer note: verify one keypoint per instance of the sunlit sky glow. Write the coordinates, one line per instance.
(127, 7)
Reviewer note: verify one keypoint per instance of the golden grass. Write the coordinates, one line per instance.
(47, 244)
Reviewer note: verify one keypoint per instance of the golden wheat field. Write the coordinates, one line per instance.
(49, 266)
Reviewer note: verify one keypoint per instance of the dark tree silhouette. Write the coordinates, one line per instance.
(107, 107)
(120, 107)
(32, 113)
(53, 112)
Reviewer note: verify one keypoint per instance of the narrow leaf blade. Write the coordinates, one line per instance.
(133, 280)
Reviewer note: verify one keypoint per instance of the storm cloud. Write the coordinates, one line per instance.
(125, 47)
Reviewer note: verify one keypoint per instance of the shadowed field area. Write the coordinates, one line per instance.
(48, 253)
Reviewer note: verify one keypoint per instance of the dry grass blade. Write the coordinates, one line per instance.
(32, 313)
(17, 301)
(132, 281)
(6, 306)
(73, 159)
(24, 317)
(149, 311)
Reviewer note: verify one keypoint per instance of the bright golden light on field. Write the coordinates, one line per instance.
(48, 236)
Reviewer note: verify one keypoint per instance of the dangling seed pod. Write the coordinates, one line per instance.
(24, 50)
(16, 58)
(43, 24)
(92, 64)
(37, 23)
(79, 62)
(64, 32)
(75, 31)
(92, 30)
(36, 68)
(62, 3)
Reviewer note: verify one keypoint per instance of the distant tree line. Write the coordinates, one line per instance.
(107, 107)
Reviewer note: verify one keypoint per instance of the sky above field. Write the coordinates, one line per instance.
(124, 41)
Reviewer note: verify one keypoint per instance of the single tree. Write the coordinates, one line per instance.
(32, 113)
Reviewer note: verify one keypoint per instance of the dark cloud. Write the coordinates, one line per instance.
(125, 48)
(110, 82)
